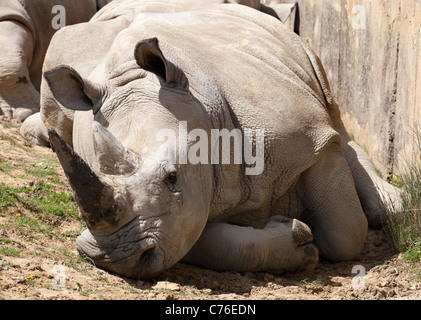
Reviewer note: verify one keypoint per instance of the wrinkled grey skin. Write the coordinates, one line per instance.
(25, 32)
(143, 213)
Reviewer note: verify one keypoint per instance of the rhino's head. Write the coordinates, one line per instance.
(143, 212)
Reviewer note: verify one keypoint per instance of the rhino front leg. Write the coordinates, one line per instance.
(284, 245)
(34, 130)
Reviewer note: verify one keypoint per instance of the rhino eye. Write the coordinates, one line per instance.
(171, 180)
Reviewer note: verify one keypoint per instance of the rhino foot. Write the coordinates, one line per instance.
(299, 252)
(303, 237)
(34, 130)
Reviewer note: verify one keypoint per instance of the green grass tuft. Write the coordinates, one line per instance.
(39, 198)
(404, 227)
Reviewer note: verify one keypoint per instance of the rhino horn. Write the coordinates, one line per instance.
(94, 197)
(112, 156)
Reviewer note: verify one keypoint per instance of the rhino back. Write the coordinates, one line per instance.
(129, 7)
(250, 72)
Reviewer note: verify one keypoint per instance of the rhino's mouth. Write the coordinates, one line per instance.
(132, 251)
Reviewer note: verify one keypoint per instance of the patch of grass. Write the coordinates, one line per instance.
(59, 204)
(10, 252)
(315, 282)
(397, 182)
(9, 139)
(413, 255)
(4, 265)
(38, 198)
(5, 166)
(7, 197)
(14, 142)
(74, 261)
(36, 225)
(87, 292)
(403, 226)
(43, 171)
(84, 292)
(101, 278)
(7, 124)
(74, 234)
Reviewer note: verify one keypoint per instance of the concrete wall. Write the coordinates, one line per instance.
(371, 50)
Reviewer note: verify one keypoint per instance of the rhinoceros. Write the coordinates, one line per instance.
(26, 28)
(193, 73)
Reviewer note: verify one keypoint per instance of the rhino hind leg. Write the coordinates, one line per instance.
(284, 245)
(334, 211)
(376, 195)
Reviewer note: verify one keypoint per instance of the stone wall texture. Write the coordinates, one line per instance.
(371, 50)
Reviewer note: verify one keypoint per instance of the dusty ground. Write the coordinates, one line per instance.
(38, 259)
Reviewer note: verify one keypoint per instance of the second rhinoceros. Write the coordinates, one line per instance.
(223, 67)
(26, 28)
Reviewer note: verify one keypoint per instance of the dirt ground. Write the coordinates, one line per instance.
(41, 264)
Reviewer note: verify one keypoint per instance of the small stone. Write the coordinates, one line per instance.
(207, 291)
(391, 293)
(151, 295)
(165, 285)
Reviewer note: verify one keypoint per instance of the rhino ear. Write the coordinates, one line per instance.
(71, 90)
(149, 57)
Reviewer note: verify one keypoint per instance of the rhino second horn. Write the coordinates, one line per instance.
(94, 197)
(112, 156)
